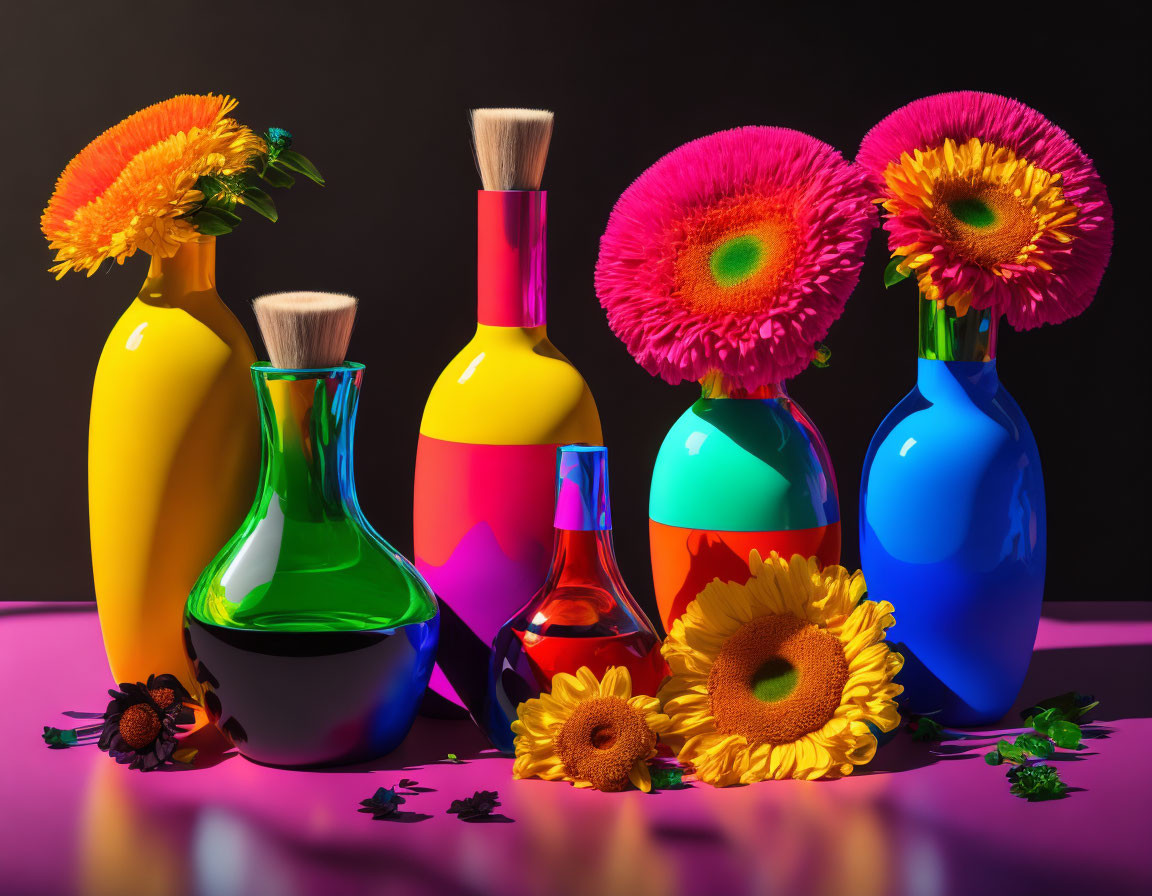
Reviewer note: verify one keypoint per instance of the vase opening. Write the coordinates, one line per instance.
(946, 335)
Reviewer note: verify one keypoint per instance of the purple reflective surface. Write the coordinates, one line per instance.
(920, 819)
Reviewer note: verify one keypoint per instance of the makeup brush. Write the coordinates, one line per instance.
(511, 147)
(305, 330)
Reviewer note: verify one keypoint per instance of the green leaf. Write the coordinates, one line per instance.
(1045, 720)
(211, 222)
(1065, 734)
(277, 177)
(292, 160)
(1036, 782)
(994, 758)
(210, 186)
(55, 737)
(927, 730)
(1071, 705)
(668, 779)
(1035, 745)
(260, 202)
(1010, 751)
(891, 275)
(821, 355)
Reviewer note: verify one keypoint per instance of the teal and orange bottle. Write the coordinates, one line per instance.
(738, 471)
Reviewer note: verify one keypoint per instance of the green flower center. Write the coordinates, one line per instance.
(775, 680)
(972, 211)
(736, 259)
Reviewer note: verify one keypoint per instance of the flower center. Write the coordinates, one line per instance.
(735, 257)
(988, 222)
(603, 736)
(164, 697)
(139, 725)
(776, 679)
(602, 740)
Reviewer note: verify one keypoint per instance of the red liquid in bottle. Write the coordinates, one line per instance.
(638, 651)
(582, 615)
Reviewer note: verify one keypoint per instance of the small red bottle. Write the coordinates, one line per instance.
(583, 615)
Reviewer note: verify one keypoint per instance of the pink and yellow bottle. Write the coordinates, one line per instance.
(485, 463)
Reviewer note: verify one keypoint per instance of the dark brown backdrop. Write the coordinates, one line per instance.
(378, 96)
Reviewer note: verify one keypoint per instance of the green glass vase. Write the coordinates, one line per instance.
(312, 637)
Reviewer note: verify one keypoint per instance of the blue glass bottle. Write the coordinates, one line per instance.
(952, 525)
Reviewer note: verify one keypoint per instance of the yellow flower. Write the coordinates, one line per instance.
(781, 677)
(128, 188)
(977, 204)
(592, 733)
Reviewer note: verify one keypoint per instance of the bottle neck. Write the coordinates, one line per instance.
(307, 419)
(511, 266)
(716, 385)
(948, 336)
(583, 559)
(183, 279)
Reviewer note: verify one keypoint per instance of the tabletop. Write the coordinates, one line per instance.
(921, 819)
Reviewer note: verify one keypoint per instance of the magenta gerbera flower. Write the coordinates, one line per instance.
(990, 205)
(734, 254)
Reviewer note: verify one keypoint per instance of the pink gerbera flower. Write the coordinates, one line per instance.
(734, 254)
(990, 205)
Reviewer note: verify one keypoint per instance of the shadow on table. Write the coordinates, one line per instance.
(429, 743)
(1102, 611)
(26, 609)
(1116, 675)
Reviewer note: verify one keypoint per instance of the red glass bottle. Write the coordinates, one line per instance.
(583, 614)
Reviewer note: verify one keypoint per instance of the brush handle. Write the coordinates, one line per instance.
(511, 268)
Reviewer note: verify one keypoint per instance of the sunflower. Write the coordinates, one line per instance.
(786, 676)
(990, 205)
(143, 719)
(129, 187)
(734, 254)
(592, 733)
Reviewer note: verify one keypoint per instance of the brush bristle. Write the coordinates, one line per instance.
(306, 329)
(511, 147)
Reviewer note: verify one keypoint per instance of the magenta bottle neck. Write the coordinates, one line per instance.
(511, 267)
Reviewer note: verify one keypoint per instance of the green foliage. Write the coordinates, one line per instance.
(1034, 745)
(215, 214)
(1052, 723)
(479, 805)
(1070, 706)
(1036, 782)
(293, 161)
(822, 355)
(55, 737)
(384, 803)
(668, 779)
(1065, 735)
(892, 276)
(925, 729)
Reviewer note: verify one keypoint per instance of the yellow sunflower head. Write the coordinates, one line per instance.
(592, 733)
(783, 677)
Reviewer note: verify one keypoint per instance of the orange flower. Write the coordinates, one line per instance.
(128, 188)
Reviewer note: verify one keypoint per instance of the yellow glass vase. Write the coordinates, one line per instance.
(173, 456)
